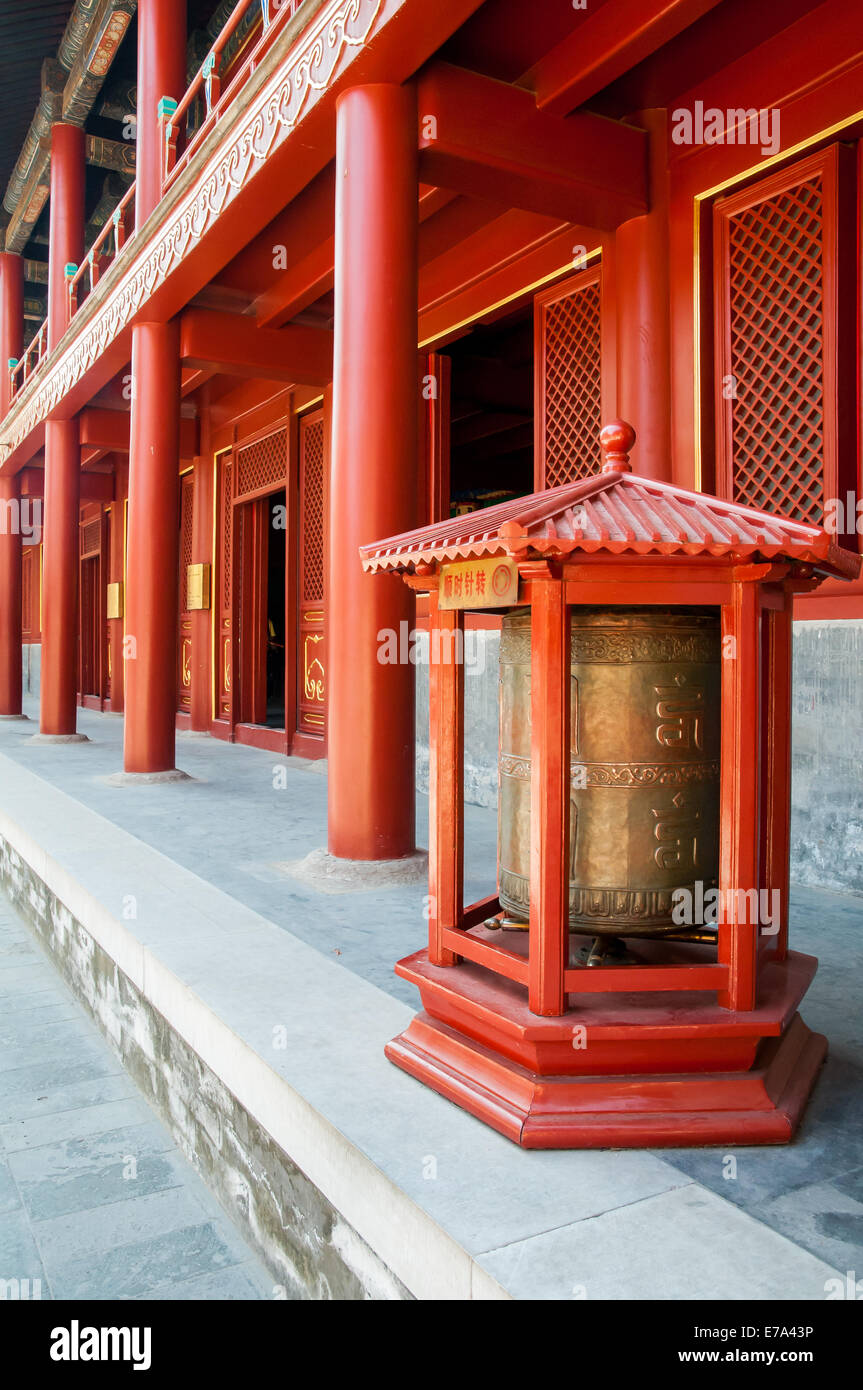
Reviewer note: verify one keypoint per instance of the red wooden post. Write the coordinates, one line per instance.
(777, 766)
(161, 73)
(116, 575)
(10, 598)
(153, 549)
(11, 321)
(11, 343)
(549, 796)
(446, 776)
(202, 553)
(66, 222)
(58, 688)
(374, 466)
(643, 325)
(739, 788)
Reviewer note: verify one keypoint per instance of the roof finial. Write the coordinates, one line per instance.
(616, 440)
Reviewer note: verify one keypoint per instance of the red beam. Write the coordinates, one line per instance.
(606, 44)
(487, 139)
(109, 430)
(234, 342)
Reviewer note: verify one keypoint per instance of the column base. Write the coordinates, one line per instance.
(145, 779)
(58, 738)
(14, 716)
(687, 1074)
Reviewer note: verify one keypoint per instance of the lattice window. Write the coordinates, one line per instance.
(227, 531)
(187, 494)
(91, 536)
(569, 360)
(778, 324)
(312, 504)
(262, 464)
(27, 592)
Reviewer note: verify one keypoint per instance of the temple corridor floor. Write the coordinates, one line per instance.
(96, 1201)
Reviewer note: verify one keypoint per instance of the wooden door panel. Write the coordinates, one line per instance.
(311, 570)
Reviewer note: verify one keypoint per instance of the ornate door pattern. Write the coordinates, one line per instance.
(568, 367)
(184, 648)
(223, 597)
(311, 558)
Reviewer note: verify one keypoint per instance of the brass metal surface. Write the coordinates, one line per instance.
(644, 771)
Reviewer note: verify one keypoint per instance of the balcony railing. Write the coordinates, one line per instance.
(104, 250)
(20, 370)
(250, 31)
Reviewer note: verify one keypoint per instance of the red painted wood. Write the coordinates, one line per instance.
(66, 222)
(446, 779)
(776, 793)
(643, 322)
(11, 320)
(549, 796)
(204, 483)
(506, 963)
(740, 777)
(161, 73)
(806, 212)
(568, 353)
(60, 579)
(374, 471)
(153, 546)
(310, 661)
(10, 599)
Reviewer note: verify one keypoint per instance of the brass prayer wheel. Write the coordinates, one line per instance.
(644, 771)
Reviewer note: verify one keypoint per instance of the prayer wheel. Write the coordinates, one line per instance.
(644, 770)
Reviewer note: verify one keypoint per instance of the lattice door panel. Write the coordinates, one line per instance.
(779, 252)
(184, 642)
(311, 557)
(262, 465)
(223, 595)
(568, 364)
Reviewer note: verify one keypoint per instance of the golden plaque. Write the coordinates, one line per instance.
(489, 583)
(115, 600)
(197, 587)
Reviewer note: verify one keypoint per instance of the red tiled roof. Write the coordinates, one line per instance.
(615, 512)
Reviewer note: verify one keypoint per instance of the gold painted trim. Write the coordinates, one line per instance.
(709, 193)
(567, 269)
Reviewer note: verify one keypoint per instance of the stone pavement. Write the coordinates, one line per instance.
(96, 1201)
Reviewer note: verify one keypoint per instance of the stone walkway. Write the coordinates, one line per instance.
(96, 1201)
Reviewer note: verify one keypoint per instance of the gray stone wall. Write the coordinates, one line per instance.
(827, 761)
(827, 740)
(305, 1242)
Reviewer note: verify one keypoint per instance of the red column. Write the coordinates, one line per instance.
(11, 344)
(374, 462)
(161, 73)
(60, 579)
(152, 549)
(643, 325)
(66, 224)
(11, 319)
(10, 599)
